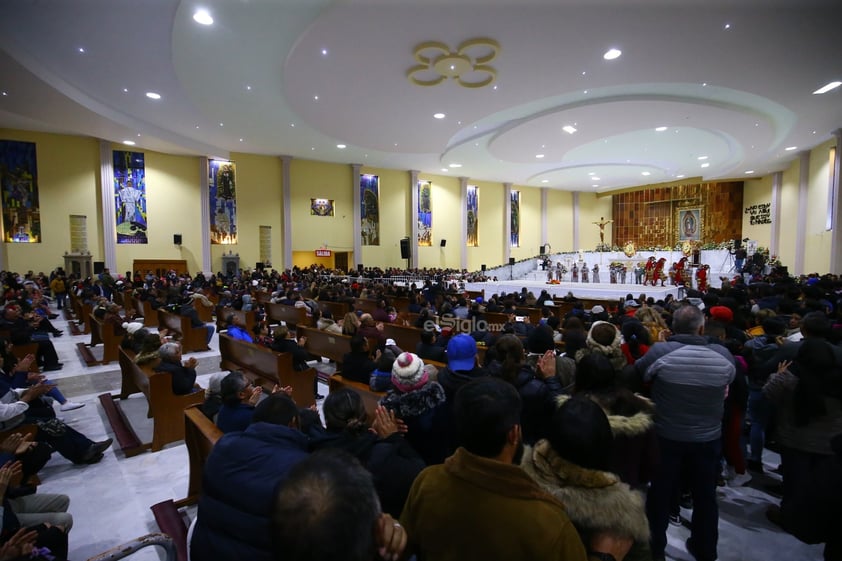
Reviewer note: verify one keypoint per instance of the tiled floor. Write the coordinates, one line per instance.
(110, 501)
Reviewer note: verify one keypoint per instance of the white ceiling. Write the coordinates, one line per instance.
(739, 95)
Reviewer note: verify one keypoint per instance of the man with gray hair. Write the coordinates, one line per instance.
(183, 374)
(689, 377)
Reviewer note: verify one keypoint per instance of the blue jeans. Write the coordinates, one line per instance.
(759, 411)
(700, 463)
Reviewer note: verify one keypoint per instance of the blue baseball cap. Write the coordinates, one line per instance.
(461, 352)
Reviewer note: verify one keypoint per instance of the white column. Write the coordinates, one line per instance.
(801, 225)
(358, 240)
(109, 217)
(463, 222)
(836, 233)
(544, 195)
(204, 216)
(413, 220)
(507, 222)
(775, 211)
(286, 214)
(576, 245)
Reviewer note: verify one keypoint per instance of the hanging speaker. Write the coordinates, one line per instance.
(406, 252)
(443, 243)
(176, 239)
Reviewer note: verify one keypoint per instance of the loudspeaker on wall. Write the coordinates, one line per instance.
(511, 260)
(176, 239)
(483, 267)
(405, 250)
(443, 243)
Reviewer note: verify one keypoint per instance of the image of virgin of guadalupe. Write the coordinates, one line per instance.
(689, 224)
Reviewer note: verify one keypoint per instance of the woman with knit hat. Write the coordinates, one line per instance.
(604, 338)
(420, 403)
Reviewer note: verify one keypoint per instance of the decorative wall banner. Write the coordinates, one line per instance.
(689, 222)
(130, 197)
(473, 216)
(19, 187)
(515, 219)
(223, 202)
(321, 207)
(370, 209)
(425, 214)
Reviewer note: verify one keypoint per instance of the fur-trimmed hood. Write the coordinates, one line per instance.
(612, 352)
(628, 414)
(415, 403)
(594, 500)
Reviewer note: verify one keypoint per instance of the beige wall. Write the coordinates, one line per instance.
(591, 209)
(395, 213)
(560, 220)
(818, 238)
(446, 207)
(757, 192)
(530, 223)
(492, 231)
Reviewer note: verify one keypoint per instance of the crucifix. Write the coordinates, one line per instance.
(602, 222)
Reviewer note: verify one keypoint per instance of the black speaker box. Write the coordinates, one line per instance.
(176, 239)
(443, 243)
(511, 260)
(483, 267)
(360, 268)
(405, 250)
(542, 250)
(99, 267)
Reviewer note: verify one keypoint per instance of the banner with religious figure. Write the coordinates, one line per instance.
(515, 219)
(689, 222)
(473, 216)
(370, 209)
(19, 187)
(425, 214)
(223, 202)
(130, 197)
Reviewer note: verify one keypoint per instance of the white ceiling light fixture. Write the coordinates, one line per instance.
(545, 181)
(324, 52)
(439, 115)
(594, 178)
(569, 129)
(539, 156)
(129, 142)
(456, 165)
(612, 54)
(341, 146)
(445, 169)
(202, 17)
(749, 171)
(153, 95)
(702, 158)
(706, 165)
(646, 173)
(827, 87)
(791, 148)
(81, 50)
(660, 129)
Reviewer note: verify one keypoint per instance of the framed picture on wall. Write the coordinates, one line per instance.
(321, 207)
(689, 224)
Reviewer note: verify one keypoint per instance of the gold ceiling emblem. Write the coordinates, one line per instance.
(467, 64)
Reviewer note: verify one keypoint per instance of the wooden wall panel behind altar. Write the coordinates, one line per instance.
(649, 217)
(160, 266)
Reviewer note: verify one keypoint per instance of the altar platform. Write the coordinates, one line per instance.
(596, 291)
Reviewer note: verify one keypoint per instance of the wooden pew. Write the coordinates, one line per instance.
(292, 316)
(370, 399)
(338, 309)
(407, 338)
(367, 305)
(164, 407)
(150, 315)
(328, 345)
(200, 436)
(192, 338)
(249, 318)
(102, 333)
(266, 368)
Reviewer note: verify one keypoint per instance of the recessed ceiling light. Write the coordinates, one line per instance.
(312, 148)
(316, 97)
(138, 134)
(583, 73)
(727, 26)
(5, 94)
(611, 54)
(248, 88)
(595, 185)
(828, 87)
(153, 95)
(569, 129)
(456, 165)
(702, 158)
(241, 140)
(129, 142)
(705, 165)
(791, 148)
(197, 127)
(292, 124)
(341, 146)
(595, 178)
(591, 173)
(125, 90)
(439, 115)
(539, 156)
(545, 181)
(445, 169)
(679, 176)
(494, 88)
(324, 52)
(660, 129)
(704, 84)
(82, 50)
(586, 91)
(202, 16)
(749, 171)
(221, 124)
(645, 173)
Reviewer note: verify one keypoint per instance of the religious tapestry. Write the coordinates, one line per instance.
(223, 202)
(515, 219)
(370, 209)
(689, 224)
(321, 207)
(130, 197)
(425, 214)
(473, 216)
(19, 187)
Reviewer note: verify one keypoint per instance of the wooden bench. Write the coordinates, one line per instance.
(264, 367)
(164, 407)
(222, 312)
(101, 333)
(337, 309)
(367, 305)
(292, 316)
(149, 314)
(192, 338)
(370, 398)
(324, 344)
